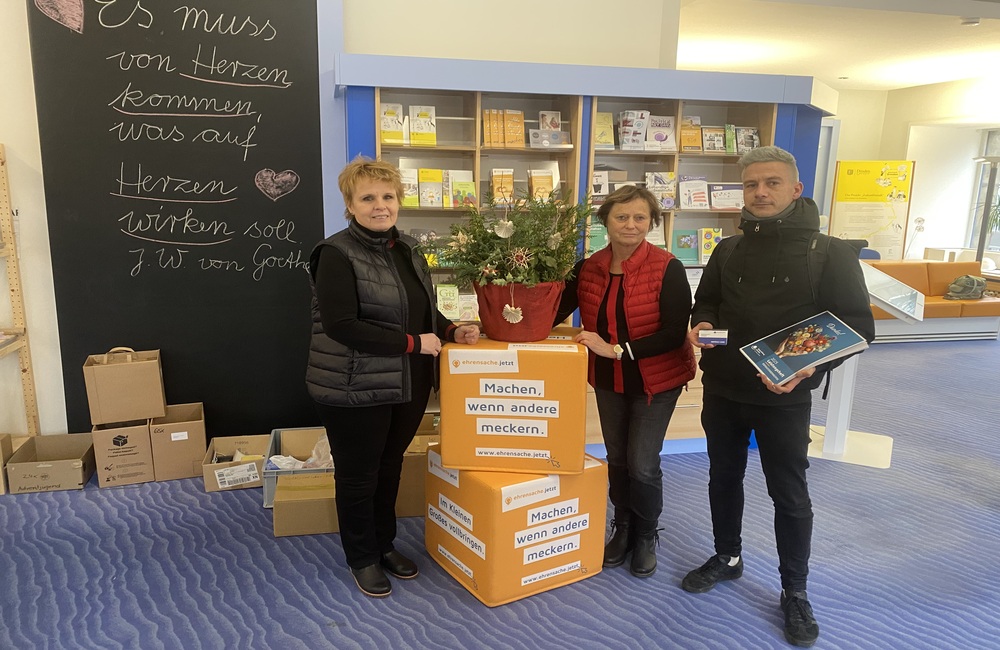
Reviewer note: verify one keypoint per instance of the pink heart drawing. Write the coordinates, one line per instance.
(68, 13)
(276, 185)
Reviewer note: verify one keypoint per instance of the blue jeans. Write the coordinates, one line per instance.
(633, 429)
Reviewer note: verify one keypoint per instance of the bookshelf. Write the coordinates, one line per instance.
(787, 110)
(462, 145)
(14, 339)
(716, 167)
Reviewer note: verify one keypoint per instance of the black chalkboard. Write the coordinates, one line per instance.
(183, 183)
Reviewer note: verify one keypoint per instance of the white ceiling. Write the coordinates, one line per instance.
(875, 44)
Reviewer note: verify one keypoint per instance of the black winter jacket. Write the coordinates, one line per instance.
(339, 375)
(764, 287)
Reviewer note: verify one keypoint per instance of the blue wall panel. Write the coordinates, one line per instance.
(361, 127)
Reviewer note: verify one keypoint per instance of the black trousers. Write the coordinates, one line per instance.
(367, 444)
(782, 434)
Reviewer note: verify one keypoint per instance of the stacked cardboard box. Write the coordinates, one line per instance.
(304, 504)
(230, 473)
(48, 463)
(514, 506)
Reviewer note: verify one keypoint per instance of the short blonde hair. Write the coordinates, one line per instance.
(362, 168)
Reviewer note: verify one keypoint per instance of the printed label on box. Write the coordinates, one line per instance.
(239, 475)
(464, 537)
(545, 408)
(455, 510)
(552, 549)
(507, 452)
(553, 511)
(556, 529)
(475, 361)
(454, 560)
(550, 573)
(524, 494)
(524, 428)
(178, 436)
(526, 387)
(435, 467)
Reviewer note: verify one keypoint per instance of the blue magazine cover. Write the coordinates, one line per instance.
(808, 343)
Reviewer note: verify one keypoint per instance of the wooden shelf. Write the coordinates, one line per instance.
(410, 148)
(9, 343)
(15, 339)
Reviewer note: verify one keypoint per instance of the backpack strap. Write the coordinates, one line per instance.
(725, 248)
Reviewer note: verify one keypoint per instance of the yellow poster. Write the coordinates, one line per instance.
(871, 200)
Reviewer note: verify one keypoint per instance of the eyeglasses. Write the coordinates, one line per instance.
(639, 219)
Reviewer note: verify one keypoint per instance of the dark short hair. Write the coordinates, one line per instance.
(362, 168)
(627, 194)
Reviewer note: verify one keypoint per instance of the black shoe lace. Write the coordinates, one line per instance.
(799, 612)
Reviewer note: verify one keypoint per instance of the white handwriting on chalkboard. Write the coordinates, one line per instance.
(281, 231)
(121, 6)
(262, 259)
(269, 77)
(221, 265)
(213, 136)
(142, 61)
(187, 224)
(192, 106)
(196, 16)
(145, 184)
(145, 131)
(173, 259)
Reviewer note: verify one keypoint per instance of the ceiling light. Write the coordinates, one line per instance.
(968, 21)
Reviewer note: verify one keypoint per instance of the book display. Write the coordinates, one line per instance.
(455, 148)
(688, 157)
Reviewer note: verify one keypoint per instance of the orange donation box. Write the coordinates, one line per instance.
(514, 407)
(506, 536)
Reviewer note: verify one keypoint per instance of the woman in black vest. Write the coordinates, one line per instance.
(376, 331)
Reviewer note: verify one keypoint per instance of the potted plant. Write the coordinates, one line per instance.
(517, 257)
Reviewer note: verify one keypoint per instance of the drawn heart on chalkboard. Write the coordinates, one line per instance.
(276, 185)
(68, 13)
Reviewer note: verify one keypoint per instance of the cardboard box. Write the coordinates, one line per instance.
(124, 385)
(178, 441)
(49, 463)
(6, 451)
(304, 504)
(235, 475)
(298, 443)
(410, 499)
(506, 536)
(515, 407)
(123, 453)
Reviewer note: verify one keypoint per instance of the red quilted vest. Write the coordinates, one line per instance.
(643, 278)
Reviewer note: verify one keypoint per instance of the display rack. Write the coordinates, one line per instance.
(14, 339)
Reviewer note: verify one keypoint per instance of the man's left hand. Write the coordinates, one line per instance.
(788, 386)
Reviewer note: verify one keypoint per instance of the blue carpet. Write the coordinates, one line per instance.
(902, 558)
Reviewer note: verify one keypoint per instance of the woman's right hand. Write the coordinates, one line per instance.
(430, 344)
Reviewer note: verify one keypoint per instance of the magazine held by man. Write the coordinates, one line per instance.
(806, 344)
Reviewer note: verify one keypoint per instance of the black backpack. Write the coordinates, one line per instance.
(819, 247)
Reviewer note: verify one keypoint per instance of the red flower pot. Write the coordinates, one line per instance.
(538, 305)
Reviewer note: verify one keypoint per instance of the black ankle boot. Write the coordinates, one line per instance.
(619, 545)
(644, 553)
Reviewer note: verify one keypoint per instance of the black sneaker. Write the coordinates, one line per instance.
(704, 577)
(801, 628)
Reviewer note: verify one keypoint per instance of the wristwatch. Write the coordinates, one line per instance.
(618, 351)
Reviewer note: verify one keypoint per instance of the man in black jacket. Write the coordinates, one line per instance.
(761, 286)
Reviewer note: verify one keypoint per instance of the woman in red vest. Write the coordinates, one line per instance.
(634, 301)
